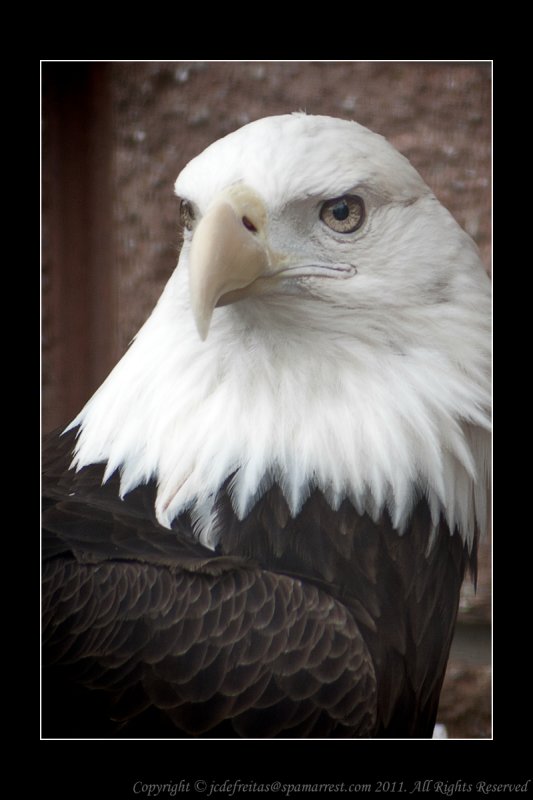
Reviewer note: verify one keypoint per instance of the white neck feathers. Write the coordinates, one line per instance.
(363, 406)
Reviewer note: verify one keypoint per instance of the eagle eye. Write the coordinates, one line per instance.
(343, 214)
(187, 214)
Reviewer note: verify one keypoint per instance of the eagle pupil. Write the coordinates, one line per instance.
(340, 211)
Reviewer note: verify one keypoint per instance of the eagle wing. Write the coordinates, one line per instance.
(147, 633)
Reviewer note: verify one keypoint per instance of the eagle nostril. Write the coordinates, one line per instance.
(249, 224)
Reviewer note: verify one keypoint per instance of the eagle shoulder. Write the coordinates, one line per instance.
(173, 638)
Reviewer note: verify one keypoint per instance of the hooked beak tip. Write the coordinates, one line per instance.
(202, 326)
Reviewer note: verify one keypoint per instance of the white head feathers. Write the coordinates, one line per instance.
(373, 386)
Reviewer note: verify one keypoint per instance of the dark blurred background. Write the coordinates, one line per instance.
(116, 135)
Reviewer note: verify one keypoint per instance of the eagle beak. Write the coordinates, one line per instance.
(228, 253)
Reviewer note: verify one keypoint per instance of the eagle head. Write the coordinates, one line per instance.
(320, 208)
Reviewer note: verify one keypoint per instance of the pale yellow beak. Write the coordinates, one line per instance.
(228, 253)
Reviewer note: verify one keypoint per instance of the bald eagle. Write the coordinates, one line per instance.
(259, 524)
